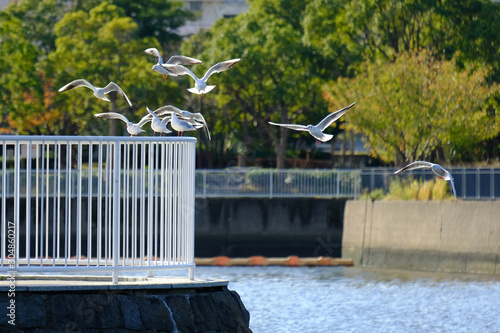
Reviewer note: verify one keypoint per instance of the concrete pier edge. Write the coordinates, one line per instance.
(446, 236)
(157, 304)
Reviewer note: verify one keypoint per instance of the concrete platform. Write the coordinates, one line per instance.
(42, 303)
(76, 282)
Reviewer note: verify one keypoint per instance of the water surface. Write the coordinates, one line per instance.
(347, 299)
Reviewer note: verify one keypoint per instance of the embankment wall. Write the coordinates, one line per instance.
(278, 227)
(446, 236)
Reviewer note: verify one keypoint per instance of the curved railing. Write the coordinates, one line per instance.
(86, 204)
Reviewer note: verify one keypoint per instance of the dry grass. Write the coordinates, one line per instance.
(412, 189)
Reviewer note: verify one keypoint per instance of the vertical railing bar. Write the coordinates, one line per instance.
(47, 206)
(99, 204)
(111, 161)
(59, 161)
(116, 209)
(162, 204)
(204, 183)
(151, 170)
(270, 183)
(184, 191)
(125, 203)
(55, 232)
(170, 204)
(3, 232)
(106, 204)
(175, 206)
(89, 204)
(17, 194)
(142, 235)
(134, 205)
(68, 202)
(79, 206)
(42, 222)
(29, 149)
(155, 233)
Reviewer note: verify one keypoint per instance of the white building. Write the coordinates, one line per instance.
(210, 11)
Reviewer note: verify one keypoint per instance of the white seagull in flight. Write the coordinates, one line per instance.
(194, 119)
(436, 168)
(132, 129)
(98, 92)
(200, 85)
(174, 60)
(317, 131)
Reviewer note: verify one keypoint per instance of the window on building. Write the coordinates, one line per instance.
(195, 6)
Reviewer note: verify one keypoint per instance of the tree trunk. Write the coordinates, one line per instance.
(281, 149)
(344, 148)
(351, 144)
(112, 122)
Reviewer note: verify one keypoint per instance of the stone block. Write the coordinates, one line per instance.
(130, 312)
(154, 314)
(179, 305)
(30, 310)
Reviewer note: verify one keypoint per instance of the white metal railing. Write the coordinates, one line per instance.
(480, 183)
(107, 204)
(256, 182)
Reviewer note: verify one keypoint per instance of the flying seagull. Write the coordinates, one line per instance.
(98, 92)
(317, 131)
(436, 168)
(157, 124)
(132, 129)
(174, 60)
(200, 85)
(194, 119)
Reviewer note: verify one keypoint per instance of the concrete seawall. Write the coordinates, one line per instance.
(62, 304)
(279, 227)
(419, 235)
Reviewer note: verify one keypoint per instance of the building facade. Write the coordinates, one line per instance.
(210, 11)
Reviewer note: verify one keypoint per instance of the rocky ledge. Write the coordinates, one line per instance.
(135, 307)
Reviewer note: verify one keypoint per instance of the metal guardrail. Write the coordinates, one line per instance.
(273, 183)
(470, 183)
(131, 208)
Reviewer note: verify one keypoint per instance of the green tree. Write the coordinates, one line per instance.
(159, 19)
(100, 47)
(411, 107)
(273, 82)
(20, 87)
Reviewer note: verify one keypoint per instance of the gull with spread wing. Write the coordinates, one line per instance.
(194, 119)
(98, 92)
(317, 130)
(157, 124)
(200, 85)
(132, 129)
(174, 60)
(436, 168)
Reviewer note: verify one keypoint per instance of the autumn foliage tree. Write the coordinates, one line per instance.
(416, 106)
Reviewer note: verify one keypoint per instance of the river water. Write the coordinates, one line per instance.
(348, 299)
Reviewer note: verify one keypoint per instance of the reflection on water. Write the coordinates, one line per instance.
(347, 299)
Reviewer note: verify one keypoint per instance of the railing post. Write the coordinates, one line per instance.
(338, 183)
(116, 208)
(204, 183)
(270, 183)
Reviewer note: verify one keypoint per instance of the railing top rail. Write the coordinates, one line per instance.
(12, 139)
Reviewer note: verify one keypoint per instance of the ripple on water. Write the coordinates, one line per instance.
(347, 299)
